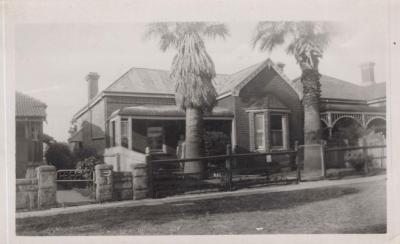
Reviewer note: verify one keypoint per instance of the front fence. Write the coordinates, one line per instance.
(221, 173)
(359, 158)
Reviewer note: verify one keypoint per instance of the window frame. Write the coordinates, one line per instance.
(256, 131)
(277, 147)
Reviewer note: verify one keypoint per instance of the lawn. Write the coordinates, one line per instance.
(353, 208)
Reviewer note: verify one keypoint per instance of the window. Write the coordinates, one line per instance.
(155, 138)
(112, 134)
(124, 132)
(276, 131)
(259, 135)
(34, 131)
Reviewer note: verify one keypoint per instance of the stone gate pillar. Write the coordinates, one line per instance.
(104, 182)
(47, 186)
(140, 181)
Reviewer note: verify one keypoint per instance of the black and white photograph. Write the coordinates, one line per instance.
(142, 124)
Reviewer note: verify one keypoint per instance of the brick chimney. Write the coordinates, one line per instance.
(93, 84)
(281, 66)
(367, 73)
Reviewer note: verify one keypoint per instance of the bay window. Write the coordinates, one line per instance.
(269, 130)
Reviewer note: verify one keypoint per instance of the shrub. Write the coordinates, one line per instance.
(86, 166)
(215, 143)
(85, 152)
(59, 155)
(358, 160)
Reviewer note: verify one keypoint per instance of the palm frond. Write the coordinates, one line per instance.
(162, 30)
(193, 71)
(215, 30)
(269, 34)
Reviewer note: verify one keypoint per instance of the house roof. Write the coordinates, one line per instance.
(155, 81)
(339, 89)
(26, 106)
(166, 111)
(77, 136)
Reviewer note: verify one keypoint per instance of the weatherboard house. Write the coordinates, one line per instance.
(259, 108)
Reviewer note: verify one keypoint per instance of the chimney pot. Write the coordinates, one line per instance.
(367, 73)
(93, 84)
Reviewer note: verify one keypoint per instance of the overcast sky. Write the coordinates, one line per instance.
(51, 60)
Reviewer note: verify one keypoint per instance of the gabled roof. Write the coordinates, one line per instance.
(26, 106)
(334, 88)
(155, 81)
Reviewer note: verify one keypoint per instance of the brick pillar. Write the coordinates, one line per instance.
(140, 181)
(104, 182)
(47, 186)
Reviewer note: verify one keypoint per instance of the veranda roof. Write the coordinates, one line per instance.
(324, 107)
(167, 111)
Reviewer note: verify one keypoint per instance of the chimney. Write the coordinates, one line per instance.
(281, 66)
(367, 73)
(93, 84)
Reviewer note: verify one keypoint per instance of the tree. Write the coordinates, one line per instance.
(306, 41)
(192, 71)
(59, 155)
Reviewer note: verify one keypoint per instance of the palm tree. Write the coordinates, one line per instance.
(306, 41)
(193, 71)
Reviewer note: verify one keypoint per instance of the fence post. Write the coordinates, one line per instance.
(229, 165)
(365, 156)
(323, 158)
(298, 164)
(149, 173)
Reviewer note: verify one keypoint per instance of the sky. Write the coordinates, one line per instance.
(52, 59)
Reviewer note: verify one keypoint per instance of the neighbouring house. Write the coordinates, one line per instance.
(30, 113)
(259, 108)
(347, 105)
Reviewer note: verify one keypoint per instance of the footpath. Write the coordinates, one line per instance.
(184, 198)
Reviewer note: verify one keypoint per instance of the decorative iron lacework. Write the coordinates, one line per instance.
(363, 118)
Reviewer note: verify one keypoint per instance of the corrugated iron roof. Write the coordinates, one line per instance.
(339, 89)
(26, 106)
(143, 80)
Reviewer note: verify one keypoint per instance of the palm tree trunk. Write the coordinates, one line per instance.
(312, 93)
(312, 123)
(194, 140)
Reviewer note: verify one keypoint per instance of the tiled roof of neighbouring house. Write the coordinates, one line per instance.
(339, 89)
(26, 106)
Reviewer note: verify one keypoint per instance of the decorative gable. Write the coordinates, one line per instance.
(266, 102)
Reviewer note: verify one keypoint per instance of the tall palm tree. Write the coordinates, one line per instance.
(192, 70)
(306, 41)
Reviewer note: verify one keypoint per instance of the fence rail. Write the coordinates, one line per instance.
(73, 175)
